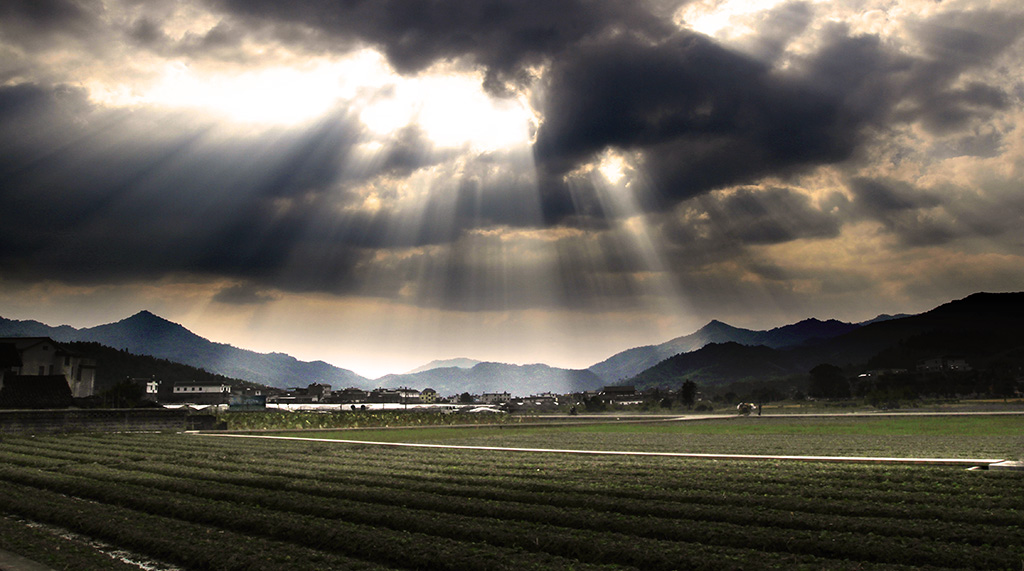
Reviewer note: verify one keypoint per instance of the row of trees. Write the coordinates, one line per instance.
(685, 396)
(832, 382)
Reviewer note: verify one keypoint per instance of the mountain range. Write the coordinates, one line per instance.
(632, 362)
(983, 327)
(461, 363)
(147, 334)
(519, 380)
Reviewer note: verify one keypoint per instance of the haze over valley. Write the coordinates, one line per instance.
(980, 329)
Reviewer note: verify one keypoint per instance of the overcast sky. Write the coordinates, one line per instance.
(378, 184)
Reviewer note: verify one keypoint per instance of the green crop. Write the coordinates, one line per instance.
(225, 503)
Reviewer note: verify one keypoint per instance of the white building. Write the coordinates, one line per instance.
(201, 388)
(495, 398)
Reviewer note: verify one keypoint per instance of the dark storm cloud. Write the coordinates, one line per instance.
(223, 42)
(953, 43)
(771, 216)
(903, 210)
(120, 196)
(705, 117)
(716, 225)
(244, 294)
(959, 39)
(46, 16)
(93, 196)
(879, 198)
(503, 36)
(925, 218)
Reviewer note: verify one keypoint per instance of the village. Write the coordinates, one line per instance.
(38, 372)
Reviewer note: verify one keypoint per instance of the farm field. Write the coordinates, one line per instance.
(968, 436)
(200, 502)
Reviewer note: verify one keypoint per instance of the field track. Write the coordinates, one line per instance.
(983, 462)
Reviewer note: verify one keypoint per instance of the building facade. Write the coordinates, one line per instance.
(202, 393)
(42, 356)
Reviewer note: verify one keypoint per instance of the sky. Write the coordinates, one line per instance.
(379, 184)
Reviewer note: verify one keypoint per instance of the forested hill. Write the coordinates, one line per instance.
(631, 362)
(147, 334)
(982, 329)
(116, 365)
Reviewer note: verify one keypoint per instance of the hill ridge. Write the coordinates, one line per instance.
(146, 333)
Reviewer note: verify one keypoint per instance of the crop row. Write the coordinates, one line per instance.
(167, 538)
(352, 540)
(472, 463)
(587, 510)
(407, 538)
(637, 501)
(529, 467)
(980, 499)
(648, 519)
(693, 487)
(277, 420)
(994, 446)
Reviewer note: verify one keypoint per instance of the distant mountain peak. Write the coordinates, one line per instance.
(716, 325)
(815, 320)
(148, 323)
(145, 315)
(459, 363)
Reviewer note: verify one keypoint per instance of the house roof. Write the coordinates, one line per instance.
(22, 343)
(35, 391)
(9, 355)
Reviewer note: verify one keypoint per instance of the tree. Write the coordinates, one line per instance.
(125, 394)
(465, 398)
(828, 381)
(688, 394)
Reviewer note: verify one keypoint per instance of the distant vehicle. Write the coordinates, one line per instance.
(483, 409)
(745, 408)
